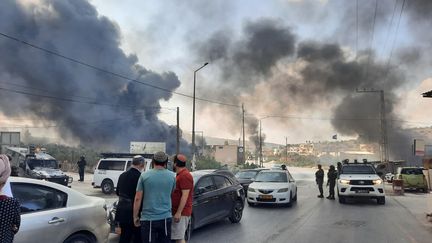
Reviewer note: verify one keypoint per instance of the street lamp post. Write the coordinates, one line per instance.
(193, 117)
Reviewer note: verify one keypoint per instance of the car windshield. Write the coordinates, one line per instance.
(412, 171)
(271, 177)
(33, 163)
(246, 174)
(361, 169)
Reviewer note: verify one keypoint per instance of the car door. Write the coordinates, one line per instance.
(225, 196)
(111, 169)
(205, 206)
(43, 214)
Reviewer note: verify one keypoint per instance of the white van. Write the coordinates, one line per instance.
(109, 169)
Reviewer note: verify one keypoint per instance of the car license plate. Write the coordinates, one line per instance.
(267, 197)
(362, 191)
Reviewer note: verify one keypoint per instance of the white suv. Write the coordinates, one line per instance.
(109, 169)
(360, 180)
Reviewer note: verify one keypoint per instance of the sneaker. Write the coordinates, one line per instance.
(328, 197)
(320, 196)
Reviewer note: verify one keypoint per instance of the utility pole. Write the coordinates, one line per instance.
(383, 124)
(260, 146)
(243, 129)
(178, 131)
(286, 150)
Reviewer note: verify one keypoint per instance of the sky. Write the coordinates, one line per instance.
(294, 64)
(161, 32)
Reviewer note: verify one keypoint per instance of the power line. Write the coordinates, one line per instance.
(81, 124)
(390, 25)
(371, 41)
(357, 29)
(77, 101)
(395, 36)
(338, 119)
(82, 63)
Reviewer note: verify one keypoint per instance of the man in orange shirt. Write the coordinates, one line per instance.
(181, 199)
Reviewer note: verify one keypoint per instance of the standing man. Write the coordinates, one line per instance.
(126, 189)
(331, 181)
(181, 199)
(153, 194)
(319, 178)
(81, 167)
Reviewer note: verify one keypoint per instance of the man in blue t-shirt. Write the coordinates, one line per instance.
(153, 193)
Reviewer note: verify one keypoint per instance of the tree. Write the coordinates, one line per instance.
(207, 163)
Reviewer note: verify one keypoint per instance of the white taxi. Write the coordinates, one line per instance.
(272, 187)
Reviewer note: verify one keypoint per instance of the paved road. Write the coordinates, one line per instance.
(317, 220)
(320, 220)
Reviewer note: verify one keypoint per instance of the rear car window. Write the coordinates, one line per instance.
(112, 165)
(221, 182)
(271, 177)
(246, 174)
(358, 169)
(35, 198)
(412, 171)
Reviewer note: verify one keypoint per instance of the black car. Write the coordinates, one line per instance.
(217, 195)
(245, 177)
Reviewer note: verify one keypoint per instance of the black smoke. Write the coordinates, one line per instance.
(313, 75)
(75, 29)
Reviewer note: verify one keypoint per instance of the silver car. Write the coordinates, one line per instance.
(54, 213)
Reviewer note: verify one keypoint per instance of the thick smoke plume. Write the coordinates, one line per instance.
(277, 74)
(74, 28)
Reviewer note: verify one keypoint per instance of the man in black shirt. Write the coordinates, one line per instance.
(126, 188)
(319, 178)
(81, 168)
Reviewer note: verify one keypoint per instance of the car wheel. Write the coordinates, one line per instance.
(289, 204)
(295, 197)
(381, 200)
(237, 212)
(189, 229)
(107, 186)
(80, 238)
(342, 199)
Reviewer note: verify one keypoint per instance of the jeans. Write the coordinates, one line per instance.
(158, 231)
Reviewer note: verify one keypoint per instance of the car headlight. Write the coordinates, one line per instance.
(283, 190)
(345, 182)
(377, 182)
(250, 189)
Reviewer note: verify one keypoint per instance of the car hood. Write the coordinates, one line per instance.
(359, 177)
(49, 172)
(269, 185)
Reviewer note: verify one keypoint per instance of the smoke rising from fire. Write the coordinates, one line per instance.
(75, 29)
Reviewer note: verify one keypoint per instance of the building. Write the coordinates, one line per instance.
(9, 139)
(228, 154)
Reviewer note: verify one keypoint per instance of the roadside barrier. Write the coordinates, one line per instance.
(398, 187)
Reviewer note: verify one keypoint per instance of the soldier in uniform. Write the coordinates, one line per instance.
(319, 178)
(331, 181)
(81, 167)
